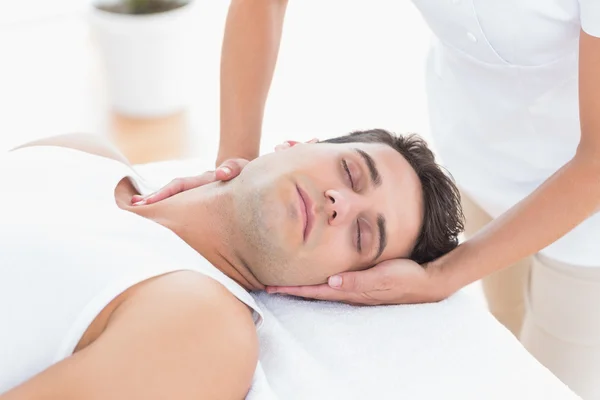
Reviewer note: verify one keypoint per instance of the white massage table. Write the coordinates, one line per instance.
(450, 350)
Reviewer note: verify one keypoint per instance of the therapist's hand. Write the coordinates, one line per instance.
(226, 171)
(389, 282)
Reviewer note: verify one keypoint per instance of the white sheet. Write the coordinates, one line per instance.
(450, 350)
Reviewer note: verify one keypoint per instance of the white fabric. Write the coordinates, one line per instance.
(502, 81)
(590, 16)
(67, 250)
(450, 350)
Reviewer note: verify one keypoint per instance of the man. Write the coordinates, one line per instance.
(149, 301)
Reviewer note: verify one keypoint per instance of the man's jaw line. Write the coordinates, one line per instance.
(243, 276)
(207, 235)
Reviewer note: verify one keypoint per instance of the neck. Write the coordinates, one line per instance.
(199, 218)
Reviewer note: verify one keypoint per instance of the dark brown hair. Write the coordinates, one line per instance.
(443, 218)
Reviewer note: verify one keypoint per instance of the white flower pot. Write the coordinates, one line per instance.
(146, 59)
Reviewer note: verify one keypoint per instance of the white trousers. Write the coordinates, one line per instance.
(552, 307)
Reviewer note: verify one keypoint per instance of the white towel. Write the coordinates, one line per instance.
(454, 349)
(448, 350)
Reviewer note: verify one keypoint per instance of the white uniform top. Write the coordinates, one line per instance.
(67, 250)
(502, 81)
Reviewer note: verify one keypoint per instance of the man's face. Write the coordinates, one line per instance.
(314, 210)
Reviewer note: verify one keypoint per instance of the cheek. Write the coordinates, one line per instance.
(280, 218)
(267, 217)
(331, 257)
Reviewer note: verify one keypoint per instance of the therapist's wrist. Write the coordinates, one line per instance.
(446, 278)
(238, 143)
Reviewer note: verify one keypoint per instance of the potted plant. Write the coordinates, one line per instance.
(144, 46)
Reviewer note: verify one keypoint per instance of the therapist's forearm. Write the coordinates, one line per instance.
(565, 200)
(561, 203)
(249, 54)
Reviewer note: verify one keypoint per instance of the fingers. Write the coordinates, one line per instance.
(369, 280)
(291, 143)
(229, 169)
(176, 186)
(283, 146)
(319, 292)
(226, 171)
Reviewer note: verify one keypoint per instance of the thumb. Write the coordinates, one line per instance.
(357, 281)
(231, 168)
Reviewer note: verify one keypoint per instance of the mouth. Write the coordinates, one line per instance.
(306, 212)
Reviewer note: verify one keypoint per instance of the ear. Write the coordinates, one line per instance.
(291, 143)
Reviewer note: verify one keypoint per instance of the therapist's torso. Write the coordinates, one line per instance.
(502, 81)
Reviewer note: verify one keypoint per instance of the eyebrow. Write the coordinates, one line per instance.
(382, 236)
(373, 171)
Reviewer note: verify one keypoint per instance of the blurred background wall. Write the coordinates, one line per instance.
(344, 65)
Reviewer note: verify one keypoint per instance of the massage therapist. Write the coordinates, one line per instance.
(514, 101)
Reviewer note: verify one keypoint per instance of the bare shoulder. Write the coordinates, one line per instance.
(207, 335)
(192, 293)
(180, 336)
(87, 143)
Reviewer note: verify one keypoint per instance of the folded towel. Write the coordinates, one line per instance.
(453, 349)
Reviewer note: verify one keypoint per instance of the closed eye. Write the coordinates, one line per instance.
(345, 165)
(358, 241)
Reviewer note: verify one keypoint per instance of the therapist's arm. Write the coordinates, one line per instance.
(248, 57)
(249, 54)
(561, 203)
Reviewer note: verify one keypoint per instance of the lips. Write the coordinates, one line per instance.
(306, 212)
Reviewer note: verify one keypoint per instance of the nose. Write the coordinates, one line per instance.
(338, 207)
